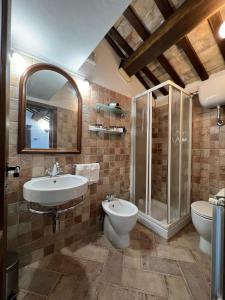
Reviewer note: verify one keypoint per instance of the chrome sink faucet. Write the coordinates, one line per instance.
(110, 197)
(55, 170)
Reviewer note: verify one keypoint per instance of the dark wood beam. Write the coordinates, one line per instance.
(115, 35)
(215, 21)
(144, 83)
(167, 10)
(144, 33)
(190, 14)
(187, 47)
(153, 79)
(122, 56)
(141, 79)
(114, 46)
(137, 24)
(170, 70)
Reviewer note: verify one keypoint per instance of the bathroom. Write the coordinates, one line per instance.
(112, 152)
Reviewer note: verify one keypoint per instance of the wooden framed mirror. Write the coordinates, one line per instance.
(50, 111)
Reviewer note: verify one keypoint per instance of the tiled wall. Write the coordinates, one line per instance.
(160, 152)
(31, 235)
(208, 154)
(66, 135)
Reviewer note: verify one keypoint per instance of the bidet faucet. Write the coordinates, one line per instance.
(55, 170)
(110, 197)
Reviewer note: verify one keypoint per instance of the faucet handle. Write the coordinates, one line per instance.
(109, 197)
(48, 171)
(60, 170)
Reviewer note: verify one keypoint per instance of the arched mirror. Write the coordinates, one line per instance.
(50, 111)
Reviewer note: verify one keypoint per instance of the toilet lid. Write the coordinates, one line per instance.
(203, 208)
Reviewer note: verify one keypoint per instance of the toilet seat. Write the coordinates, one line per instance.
(203, 208)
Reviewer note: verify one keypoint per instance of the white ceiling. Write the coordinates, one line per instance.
(63, 32)
(45, 84)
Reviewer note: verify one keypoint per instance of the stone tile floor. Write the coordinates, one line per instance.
(151, 268)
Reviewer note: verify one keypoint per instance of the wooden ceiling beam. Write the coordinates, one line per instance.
(137, 24)
(190, 14)
(215, 21)
(167, 10)
(144, 83)
(170, 70)
(115, 35)
(122, 56)
(114, 46)
(190, 52)
(144, 33)
(141, 79)
(153, 79)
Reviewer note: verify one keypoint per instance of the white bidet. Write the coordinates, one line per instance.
(120, 219)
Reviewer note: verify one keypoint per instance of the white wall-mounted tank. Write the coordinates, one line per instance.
(212, 91)
(212, 94)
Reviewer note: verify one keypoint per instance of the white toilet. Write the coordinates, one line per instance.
(202, 213)
(120, 219)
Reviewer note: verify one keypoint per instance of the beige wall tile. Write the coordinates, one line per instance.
(95, 148)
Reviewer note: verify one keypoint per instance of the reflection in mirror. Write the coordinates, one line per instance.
(51, 112)
(41, 121)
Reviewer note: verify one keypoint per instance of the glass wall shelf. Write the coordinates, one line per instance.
(113, 109)
(105, 130)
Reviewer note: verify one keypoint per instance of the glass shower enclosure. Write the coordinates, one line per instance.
(161, 158)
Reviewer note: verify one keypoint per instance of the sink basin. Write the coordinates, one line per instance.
(52, 191)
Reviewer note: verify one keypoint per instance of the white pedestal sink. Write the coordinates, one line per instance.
(53, 191)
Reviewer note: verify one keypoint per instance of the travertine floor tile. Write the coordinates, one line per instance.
(88, 251)
(102, 241)
(149, 269)
(112, 271)
(161, 265)
(196, 281)
(37, 280)
(151, 297)
(148, 282)
(115, 292)
(24, 295)
(70, 265)
(187, 238)
(132, 261)
(132, 252)
(175, 253)
(177, 289)
(81, 283)
(71, 288)
(204, 263)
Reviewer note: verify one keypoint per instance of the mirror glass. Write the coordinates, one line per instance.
(51, 112)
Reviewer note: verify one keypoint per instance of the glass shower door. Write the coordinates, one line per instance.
(174, 154)
(179, 193)
(186, 157)
(140, 174)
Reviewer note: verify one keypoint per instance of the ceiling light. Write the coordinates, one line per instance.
(222, 30)
(18, 63)
(83, 85)
(44, 125)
